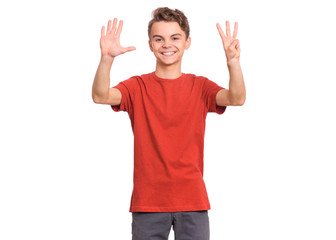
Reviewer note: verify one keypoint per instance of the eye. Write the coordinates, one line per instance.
(158, 40)
(176, 38)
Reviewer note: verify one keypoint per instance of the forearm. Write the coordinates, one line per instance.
(236, 84)
(101, 83)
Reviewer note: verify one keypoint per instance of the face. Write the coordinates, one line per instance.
(168, 42)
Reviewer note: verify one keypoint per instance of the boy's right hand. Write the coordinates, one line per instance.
(110, 42)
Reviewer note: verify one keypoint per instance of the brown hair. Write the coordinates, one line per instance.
(169, 15)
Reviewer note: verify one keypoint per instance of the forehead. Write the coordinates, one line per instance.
(166, 29)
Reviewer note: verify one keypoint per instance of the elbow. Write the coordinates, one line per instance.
(238, 101)
(94, 98)
(241, 101)
(236, 98)
(97, 99)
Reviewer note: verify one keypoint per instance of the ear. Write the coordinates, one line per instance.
(188, 43)
(150, 45)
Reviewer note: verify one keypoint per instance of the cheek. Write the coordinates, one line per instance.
(156, 47)
(155, 50)
(181, 46)
(153, 47)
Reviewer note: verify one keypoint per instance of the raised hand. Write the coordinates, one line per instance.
(230, 43)
(110, 41)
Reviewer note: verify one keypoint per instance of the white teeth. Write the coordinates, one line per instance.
(168, 53)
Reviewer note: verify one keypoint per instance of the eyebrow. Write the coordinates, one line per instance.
(175, 34)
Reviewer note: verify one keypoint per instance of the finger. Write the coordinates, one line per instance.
(103, 31)
(234, 44)
(119, 28)
(220, 30)
(228, 32)
(114, 26)
(128, 49)
(109, 26)
(235, 31)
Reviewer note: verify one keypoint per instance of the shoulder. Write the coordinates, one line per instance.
(196, 79)
(136, 82)
(145, 75)
(204, 83)
(139, 79)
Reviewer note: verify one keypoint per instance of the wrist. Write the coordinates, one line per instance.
(107, 58)
(233, 62)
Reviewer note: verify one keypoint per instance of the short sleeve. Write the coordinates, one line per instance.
(128, 91)
(209, 92)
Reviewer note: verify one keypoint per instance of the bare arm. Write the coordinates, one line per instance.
(101, 91)
(236, 94)
(110, 48)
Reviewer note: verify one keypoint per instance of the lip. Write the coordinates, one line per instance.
(168, 53)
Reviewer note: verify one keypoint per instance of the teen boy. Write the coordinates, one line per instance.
(167, 109)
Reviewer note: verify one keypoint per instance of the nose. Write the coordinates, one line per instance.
(166, 44)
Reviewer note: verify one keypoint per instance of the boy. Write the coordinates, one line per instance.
(167, 109)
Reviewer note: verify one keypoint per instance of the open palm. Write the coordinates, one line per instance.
(110, 41)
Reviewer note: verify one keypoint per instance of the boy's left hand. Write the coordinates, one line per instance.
(230, 43)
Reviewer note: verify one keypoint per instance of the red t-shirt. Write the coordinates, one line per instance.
(168, 123)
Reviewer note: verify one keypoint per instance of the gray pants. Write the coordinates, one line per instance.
(157, 225)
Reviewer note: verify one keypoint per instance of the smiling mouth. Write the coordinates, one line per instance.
(168, 53)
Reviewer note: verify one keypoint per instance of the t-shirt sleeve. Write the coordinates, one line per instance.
(128, 91)
(209, 91)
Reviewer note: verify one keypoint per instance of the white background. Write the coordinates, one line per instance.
(66, 163)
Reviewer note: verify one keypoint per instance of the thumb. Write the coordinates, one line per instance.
(234, 44)
(128, 49)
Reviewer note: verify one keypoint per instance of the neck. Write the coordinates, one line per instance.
(168, 72)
